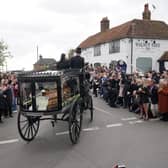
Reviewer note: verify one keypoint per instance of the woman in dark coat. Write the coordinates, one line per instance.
(3, 106)
(63, 63)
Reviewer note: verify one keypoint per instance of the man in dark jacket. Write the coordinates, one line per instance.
(9, 97)
(77, 62)
(112, 90)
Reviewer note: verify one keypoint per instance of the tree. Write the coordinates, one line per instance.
(4, 53)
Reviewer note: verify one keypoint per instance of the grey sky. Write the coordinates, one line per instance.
(57, 26)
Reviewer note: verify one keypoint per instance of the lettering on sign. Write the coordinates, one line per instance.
(147, 44)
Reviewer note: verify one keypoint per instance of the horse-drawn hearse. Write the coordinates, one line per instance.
(52, 95)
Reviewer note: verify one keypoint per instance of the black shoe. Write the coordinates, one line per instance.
(1, 121)
(154, 117)
(11, 116)
(113, 105)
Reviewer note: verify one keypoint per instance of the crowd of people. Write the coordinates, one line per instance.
(8, 95)
(138, 92)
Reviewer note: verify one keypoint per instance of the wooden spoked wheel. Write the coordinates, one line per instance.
(28, 126)
(75, 122)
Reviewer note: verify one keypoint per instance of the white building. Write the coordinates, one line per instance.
(140, 43)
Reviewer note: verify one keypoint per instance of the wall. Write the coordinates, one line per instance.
(152, 48)
(105, 57)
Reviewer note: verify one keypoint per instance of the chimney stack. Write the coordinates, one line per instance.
(105, 23)
(146, 13)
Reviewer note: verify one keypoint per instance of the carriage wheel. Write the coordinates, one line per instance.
(90, 107)
(75, 122)
(28, 126)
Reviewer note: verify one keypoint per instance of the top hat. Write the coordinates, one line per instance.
(62, 55)
(78, 50)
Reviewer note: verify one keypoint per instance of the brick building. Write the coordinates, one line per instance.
(44, 64)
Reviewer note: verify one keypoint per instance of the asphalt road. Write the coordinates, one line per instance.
(114, 136)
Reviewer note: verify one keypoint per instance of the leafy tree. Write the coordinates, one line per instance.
(4, 53)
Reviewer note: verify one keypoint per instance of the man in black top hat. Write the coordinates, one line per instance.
(77, 62)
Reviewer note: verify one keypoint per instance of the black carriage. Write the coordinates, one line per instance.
(52, 95)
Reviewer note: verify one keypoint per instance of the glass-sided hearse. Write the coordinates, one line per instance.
(51, 95)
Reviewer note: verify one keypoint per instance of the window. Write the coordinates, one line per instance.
(114, 47)
(26, 94)
(97, 50)
(144, 64)
(70, 88)
(46, 96)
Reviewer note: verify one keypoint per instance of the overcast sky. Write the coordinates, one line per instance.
(57, 26)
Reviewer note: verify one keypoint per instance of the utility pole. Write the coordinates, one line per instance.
(37, 53)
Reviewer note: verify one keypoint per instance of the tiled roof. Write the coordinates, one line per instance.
(45, 61)
(134, 28)
(164, 57)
